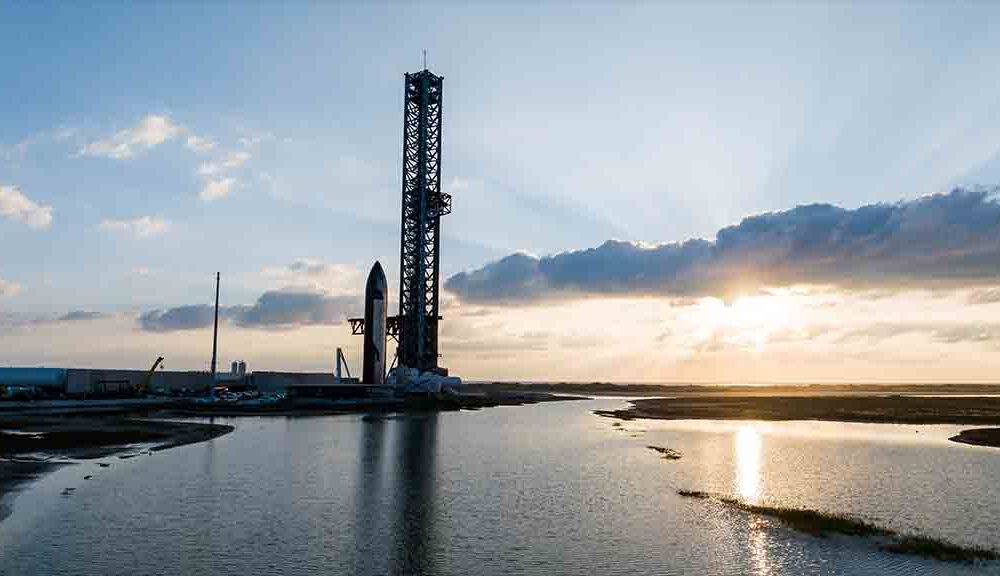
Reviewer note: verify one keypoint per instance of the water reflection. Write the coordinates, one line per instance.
(760, 562)
(414, 526)
(395, 516)
(747, 445)
(748, 463)
(369, 486)
(313, 496)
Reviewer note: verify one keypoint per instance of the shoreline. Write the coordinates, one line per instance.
(978, 437)
(14, 474)
(863, 409)
(709, 390)
(327, 407)
(26, 441)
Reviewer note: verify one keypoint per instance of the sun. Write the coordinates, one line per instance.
(750, 321)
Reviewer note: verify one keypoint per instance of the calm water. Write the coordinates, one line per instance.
(546, 489)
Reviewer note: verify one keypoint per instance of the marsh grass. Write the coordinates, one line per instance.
(933, 548)
(694, 494)
(812, 522)
(822, 524)
(667, 453)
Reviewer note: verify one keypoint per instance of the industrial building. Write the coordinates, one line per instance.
(83, 383)
(97, 382)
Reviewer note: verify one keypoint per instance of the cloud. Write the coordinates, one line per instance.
(273, 309)
(984, 296)
(942, 332)
(19, 151)
(217, 186)
(199, 144)
(142, 227)
(315, 276)
(16, 206)
(256, 138)
(179, 318)
(945, 239)
(232, 161)
(217, 189)
(8, 288)
(280, 309)
(149, 132)
(76, 315)
(144, 271)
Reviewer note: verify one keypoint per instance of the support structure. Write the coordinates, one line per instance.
(215, 336)
(341, 362)
(422, 207)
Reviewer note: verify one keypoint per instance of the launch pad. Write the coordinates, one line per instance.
(415, 327)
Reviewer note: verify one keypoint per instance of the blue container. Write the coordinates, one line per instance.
(36, 377)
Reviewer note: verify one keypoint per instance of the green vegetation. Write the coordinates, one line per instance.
(667, 453)
(821, 524)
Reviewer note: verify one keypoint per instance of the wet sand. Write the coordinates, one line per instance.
(27, 442)
(876, 409)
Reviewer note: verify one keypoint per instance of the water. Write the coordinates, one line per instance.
(546, 489)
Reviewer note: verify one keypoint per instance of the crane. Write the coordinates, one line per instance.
(143, 386)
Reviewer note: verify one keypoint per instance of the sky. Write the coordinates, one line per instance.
(720, 193)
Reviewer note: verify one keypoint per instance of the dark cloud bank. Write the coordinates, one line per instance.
(941, 240)
(277, 309)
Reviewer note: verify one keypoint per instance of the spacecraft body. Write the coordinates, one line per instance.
(376, 305)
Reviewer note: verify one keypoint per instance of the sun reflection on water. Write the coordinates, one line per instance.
(748, 463)
(747, 445)
(760, 562)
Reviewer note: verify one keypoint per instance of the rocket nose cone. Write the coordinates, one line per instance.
(376, 279)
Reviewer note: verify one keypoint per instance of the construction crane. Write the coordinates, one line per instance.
(143, 386)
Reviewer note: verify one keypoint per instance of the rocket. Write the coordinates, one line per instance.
(376, 305)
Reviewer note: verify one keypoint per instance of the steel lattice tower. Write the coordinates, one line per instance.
(423, 206)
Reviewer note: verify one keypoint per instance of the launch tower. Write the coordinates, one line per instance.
(423, 206)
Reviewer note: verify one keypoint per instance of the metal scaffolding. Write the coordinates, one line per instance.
(423, 206)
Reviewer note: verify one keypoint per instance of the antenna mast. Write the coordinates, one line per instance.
(215, 335)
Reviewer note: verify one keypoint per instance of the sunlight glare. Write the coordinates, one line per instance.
(747, 446)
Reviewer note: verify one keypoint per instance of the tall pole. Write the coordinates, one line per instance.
(215, 337)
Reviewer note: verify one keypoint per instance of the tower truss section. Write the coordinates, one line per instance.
(422, 207)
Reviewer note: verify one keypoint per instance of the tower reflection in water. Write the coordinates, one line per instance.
(397, 519)
(369, 483)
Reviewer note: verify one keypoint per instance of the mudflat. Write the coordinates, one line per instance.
(704, 390)
(877, 409)
(979, 437)
(26, 442)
